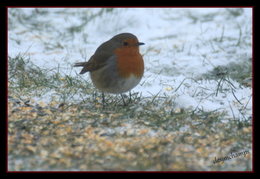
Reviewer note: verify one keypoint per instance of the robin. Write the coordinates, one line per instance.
(116, 66)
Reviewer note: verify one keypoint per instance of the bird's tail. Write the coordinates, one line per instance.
(84, 65)
(80, 64)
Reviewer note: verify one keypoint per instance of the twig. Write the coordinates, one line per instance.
(222, 34)
(180, 85)
(232, 111)
(219, 85)
(230, 83)
(240, 35)
(156, 96)
(235, 96)
(247, 103)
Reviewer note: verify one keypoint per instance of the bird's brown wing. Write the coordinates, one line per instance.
(97, 61)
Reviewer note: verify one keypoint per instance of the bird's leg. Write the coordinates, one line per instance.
(122, 96)
(130, 97)
(103, 99)
(94, 95)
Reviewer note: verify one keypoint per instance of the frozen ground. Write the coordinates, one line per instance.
(181, 46)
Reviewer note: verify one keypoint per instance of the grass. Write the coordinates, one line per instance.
(147, 134)
(239, 72)
(30, 80)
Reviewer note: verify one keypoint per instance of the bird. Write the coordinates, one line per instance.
(116, 66)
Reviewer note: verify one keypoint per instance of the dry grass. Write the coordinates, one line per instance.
(147, 134)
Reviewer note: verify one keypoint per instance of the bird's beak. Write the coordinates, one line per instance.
(140, 43)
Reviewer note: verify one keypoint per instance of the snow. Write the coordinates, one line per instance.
(181, 44)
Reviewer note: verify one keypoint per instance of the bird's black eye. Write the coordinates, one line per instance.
(125, 43)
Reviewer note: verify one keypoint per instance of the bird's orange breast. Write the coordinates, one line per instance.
(129, 62)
